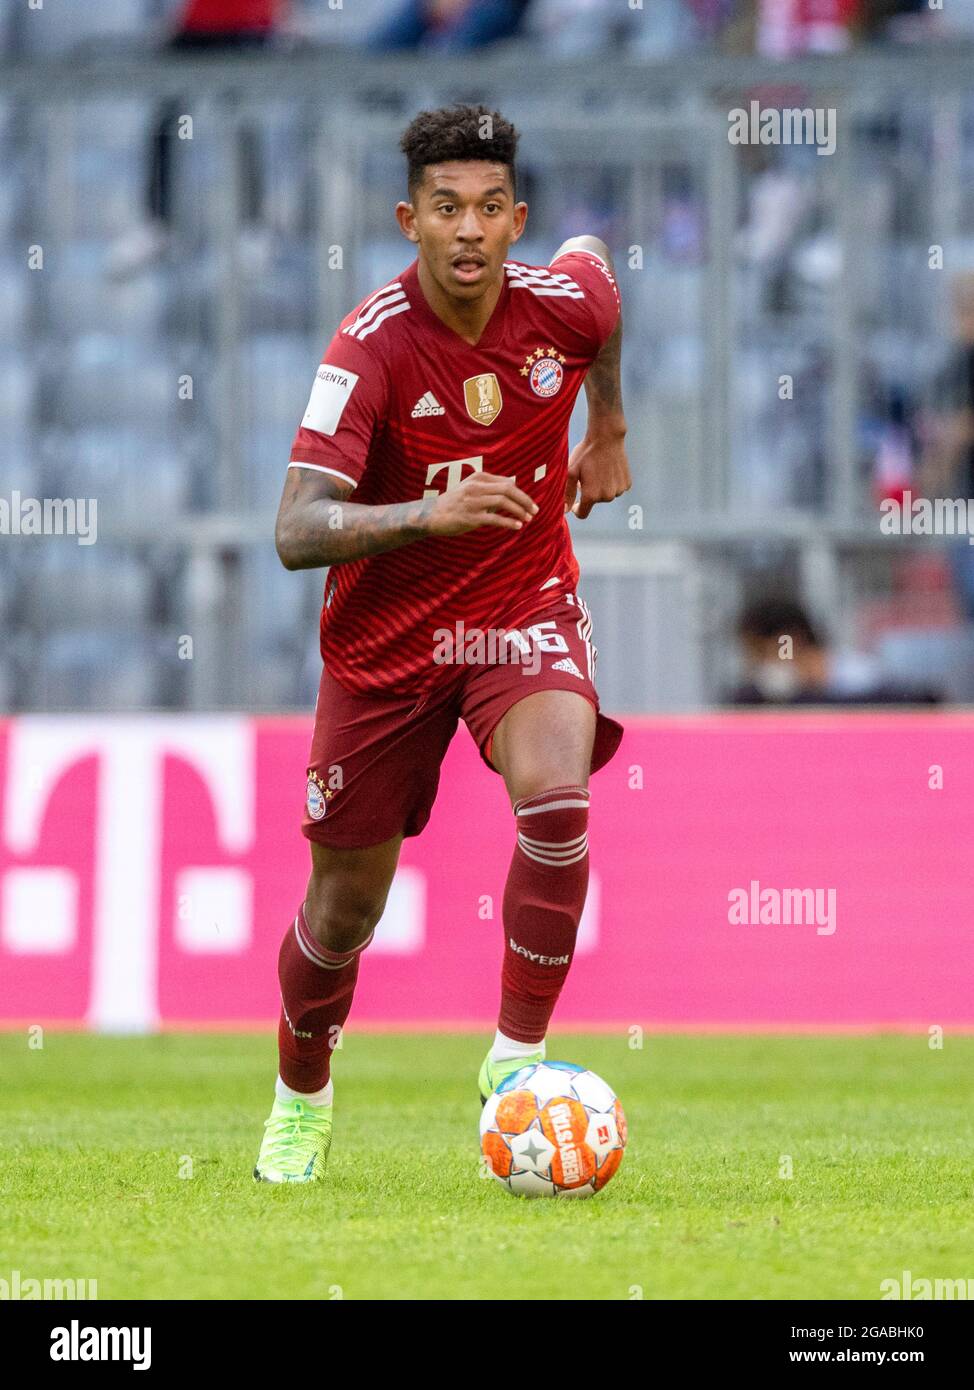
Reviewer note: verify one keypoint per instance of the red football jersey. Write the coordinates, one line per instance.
(404, 408)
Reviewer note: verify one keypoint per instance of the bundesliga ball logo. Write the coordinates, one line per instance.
(553, 1129)
(546, 377)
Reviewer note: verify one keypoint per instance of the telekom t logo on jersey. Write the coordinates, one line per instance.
(39, 905)
(454, 474)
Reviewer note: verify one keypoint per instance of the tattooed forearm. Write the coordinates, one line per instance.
(603, 385)
(313, 532)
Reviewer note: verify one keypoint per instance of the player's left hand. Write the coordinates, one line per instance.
(598, 471)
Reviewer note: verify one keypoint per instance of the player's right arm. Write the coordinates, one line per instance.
(316, 526)
(316, 523)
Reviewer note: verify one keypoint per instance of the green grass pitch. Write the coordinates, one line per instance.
(129, 1161)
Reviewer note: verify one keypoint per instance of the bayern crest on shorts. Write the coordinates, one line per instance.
(316, 802)
(317, 796)
(547, 376)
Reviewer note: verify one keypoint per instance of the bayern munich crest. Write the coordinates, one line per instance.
(318, 796)
(545, 371)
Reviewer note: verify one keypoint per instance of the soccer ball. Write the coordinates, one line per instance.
(553, 1129)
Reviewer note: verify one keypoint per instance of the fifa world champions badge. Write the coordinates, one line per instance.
(482, 397)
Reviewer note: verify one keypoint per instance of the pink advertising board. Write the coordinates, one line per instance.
(149, 866)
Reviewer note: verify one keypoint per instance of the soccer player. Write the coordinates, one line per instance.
(431, 475)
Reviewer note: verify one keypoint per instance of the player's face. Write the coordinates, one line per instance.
(464, 220)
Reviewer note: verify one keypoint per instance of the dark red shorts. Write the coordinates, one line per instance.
(375, 760)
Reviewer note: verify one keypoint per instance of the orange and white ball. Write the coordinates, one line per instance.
(553, 1129)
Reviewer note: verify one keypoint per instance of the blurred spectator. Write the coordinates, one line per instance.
(780, 205)
(575, 28)
(787, 28)
(666, 28)
(788, 663)
(888, 430)
(947, 468)
(908, 21)
(213, 27)
(448, 26)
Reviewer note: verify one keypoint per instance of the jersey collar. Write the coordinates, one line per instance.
(493, 330)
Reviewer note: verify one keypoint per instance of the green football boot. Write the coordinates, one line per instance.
(493, 1073)
(297, 1137)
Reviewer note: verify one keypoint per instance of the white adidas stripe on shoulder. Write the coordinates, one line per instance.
(539, 273)
(386, 314)
(541, 291)
(547, 282)
(541, 282)
(373, 303)
(376, 309)
(386, 289)
(367, 316)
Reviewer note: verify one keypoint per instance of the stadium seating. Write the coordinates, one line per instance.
(91, 363)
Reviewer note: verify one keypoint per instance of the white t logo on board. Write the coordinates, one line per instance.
(128, 830)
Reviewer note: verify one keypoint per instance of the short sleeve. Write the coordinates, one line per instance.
(599, 305)
(346, 407)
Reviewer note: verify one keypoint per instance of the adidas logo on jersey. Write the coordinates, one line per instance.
(566, 664)
(427, 405)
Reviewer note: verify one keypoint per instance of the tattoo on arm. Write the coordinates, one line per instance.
(317, 527)
(603, 384)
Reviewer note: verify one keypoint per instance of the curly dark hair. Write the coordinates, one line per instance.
(457, 132)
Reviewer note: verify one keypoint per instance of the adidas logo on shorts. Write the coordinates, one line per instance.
(427, 405)
(566, 664)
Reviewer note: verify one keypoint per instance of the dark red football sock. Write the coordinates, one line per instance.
(316, 994)
(543, 903)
